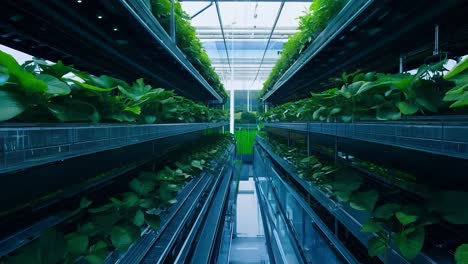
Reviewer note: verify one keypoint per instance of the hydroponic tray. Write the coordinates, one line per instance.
(26, 145)
(442, 138)
(118, 38)
(372, 35)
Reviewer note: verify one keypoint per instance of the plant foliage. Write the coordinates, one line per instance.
(393, 223)
(378, 96)
(187, 40)
(311, 24)
(116, 224)
(41, 92)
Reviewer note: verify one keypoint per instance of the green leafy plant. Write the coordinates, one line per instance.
(311, 24)
(187, 40)
(103, 227)
(394, 224)
(377, 96)
(41, 92)
(458, 94)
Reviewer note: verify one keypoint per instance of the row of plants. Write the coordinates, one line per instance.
(398, 224)
(103, 227)
(187, 40)
(41, 92)
(377, 96)
(311, 24)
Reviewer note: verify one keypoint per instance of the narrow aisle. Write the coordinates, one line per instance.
(248, 243)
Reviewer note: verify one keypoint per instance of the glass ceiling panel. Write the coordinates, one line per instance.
(247, 26)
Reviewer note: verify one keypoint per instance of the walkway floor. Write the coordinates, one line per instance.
(249, 245)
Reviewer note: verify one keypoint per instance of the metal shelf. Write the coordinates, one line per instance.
(26, 145)
(118, 38)
(372, 35)
(441, 138)
(352, 219)
(157, 245)
(338, 245)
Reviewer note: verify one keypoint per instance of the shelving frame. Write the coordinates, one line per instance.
(118, 38)
(352, 219)
(26, 145)
(373, 35)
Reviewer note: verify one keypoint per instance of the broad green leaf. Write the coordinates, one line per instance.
(90, 87)
(364, 200)
(27, 81)
(386, 211)
(85, 203)
(103, 222)
(370, 227)
(408, 214)
(343, 196)
(72, 110)
(388, 113)
(130, 199)
(87, 229)
(136, 91)
(376, 246)
(427, 95)
(7, 61)
(139, 218)
(77, 243)
(133, 109)
(149, 119)
(54, 85)
(123, 236)
(153, 220)
(347, 182)
(197, 164)
(102, 81)
(462, 100)
(97, 253)
(58, 69)
(142, 186)
(410, 243)
(406, 219)
(94, 259)
(459, 68)
(408, 107)
(148, 203)
(11, 105)
(461, 254)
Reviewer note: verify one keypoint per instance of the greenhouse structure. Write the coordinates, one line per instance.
(233, 131)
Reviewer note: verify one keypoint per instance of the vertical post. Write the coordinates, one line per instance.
(232, 85)
(401, 63)
(173, 22)
(436, 40)
(248, 100)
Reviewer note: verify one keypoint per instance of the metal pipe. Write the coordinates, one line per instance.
(436, 41)
(203, 9)
(222, 32)
(269, 39)
(401, 63)
(173, 23)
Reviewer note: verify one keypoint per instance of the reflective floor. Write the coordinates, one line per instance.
(248, 244)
